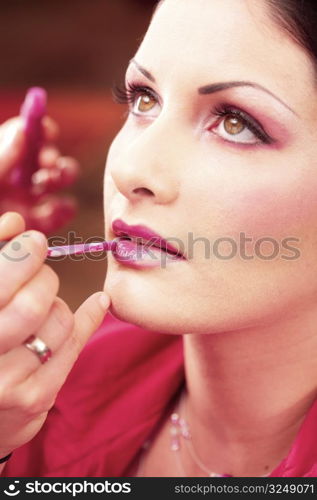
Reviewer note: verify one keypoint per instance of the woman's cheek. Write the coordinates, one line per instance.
(254, 210)
(272, 219)
(274, 203)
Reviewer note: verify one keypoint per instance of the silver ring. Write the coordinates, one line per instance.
(36, 345)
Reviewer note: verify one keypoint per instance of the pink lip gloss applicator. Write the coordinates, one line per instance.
(79, 249)
(59, 251)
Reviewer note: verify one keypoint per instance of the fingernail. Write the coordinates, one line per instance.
(40, 238)
(104, 300)
(4, 218)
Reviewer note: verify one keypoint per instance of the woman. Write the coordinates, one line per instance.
(218, 153)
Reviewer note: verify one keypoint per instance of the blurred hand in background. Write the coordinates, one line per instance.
(40, 204)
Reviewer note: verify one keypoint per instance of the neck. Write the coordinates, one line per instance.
(248, 393)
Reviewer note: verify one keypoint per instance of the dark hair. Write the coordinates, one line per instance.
(297, 17)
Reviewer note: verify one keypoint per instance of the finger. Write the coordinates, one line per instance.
(28, 309)
(51, 213)
(12, 140)
(89, 316)
(50, 129)
(47, 180)
(69, 168)
(12, 144)
(20, 259)
(48, 157)
(11, 224)
(19, 363)
(86, 321)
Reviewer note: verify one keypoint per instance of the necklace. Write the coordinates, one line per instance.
(179, 428)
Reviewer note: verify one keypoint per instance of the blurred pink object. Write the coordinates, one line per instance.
(41, 209)
(32, 111)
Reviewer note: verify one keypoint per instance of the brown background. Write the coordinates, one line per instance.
(76, 49)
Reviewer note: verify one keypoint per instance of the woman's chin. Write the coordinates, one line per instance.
(143, 302)
(147, 319)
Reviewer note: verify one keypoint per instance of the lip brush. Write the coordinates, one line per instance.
(79, 249)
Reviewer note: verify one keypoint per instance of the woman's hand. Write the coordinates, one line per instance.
(29, 305)
(41, 209)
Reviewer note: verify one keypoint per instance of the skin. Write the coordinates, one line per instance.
(29, 305)
(28, 289)
(174, 169)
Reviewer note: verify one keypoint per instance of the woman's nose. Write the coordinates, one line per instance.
(146, 167)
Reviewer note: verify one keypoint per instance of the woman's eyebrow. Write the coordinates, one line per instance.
(218, 87)
(142, 70)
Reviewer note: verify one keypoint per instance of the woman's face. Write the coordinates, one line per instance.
(201, 158)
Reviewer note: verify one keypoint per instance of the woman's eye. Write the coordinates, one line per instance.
(139, 99)
(234, 125)
(143, 103)
(234, 129)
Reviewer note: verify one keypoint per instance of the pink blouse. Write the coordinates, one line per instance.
(115, 395)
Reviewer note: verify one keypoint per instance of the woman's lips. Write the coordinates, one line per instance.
(138, 256)
(144, 236)
(140, 247)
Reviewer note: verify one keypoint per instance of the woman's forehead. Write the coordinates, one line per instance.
(196, 42)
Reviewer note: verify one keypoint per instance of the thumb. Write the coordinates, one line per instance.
(89, 316)
(12, 142)
(11, 224)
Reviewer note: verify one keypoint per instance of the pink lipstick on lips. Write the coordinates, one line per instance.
(140, 247)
